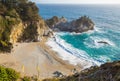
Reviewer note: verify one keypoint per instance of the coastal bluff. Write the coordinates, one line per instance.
(20, 22)
(79, 25)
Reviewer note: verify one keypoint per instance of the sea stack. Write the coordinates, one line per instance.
(80, 25)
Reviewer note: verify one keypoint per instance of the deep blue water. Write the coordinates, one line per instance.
(107, 28)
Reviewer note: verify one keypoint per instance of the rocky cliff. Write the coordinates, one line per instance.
(34, 31)
(20, 22)
(80, 25)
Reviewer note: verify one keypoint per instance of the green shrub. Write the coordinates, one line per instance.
(5, 46)
(12, 74)
(3, 74)
(8, 74)
(26, 78)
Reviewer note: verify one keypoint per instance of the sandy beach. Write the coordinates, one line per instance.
(36, 58)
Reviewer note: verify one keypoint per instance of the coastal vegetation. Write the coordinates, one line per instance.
(8, 74)
(19, 21)
(106, 72)
(27, 10)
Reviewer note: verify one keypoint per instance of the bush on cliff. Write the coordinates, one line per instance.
(5, 30)
(8, 74)
(11, 13)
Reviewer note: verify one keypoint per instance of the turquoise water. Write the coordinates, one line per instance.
(107, 28)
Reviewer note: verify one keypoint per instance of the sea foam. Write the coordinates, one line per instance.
(92, 42)
(69, 53)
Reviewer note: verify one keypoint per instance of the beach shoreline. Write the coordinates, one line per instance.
(71, 54)
(36, 58)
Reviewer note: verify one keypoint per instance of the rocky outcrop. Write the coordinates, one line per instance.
(35, 31)
(20, 22)
(16, 32)
(106, 72)
(54, 21)
(43, 29)
(10, 30)
(103, 42)
(80, 25)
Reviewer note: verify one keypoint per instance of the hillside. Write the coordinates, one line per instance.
(20, 22)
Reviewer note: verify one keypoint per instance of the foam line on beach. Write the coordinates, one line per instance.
(71, 54)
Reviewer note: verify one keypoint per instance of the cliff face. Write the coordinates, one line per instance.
(80, 25)
(16, 32)
(43, 29)
(34, 31)
(21, 32)
(10, 29)
(20, 22)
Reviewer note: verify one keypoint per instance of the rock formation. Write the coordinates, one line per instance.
(103, 42)
(20, 22)
(80, 25)
(106, 72)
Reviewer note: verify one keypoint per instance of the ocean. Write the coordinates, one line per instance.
(85, 46)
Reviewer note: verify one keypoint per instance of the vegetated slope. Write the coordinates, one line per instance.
(20, 21)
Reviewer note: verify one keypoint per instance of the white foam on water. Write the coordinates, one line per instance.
(73, 55)
(93, 42)
(74, 33)
(99, 30)
(104, 58)
(89, 32)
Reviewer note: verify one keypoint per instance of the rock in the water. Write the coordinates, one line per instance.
(104, 42)
(80, 25)
(54, 21)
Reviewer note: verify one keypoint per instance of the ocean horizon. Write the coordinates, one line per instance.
(85, 46)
